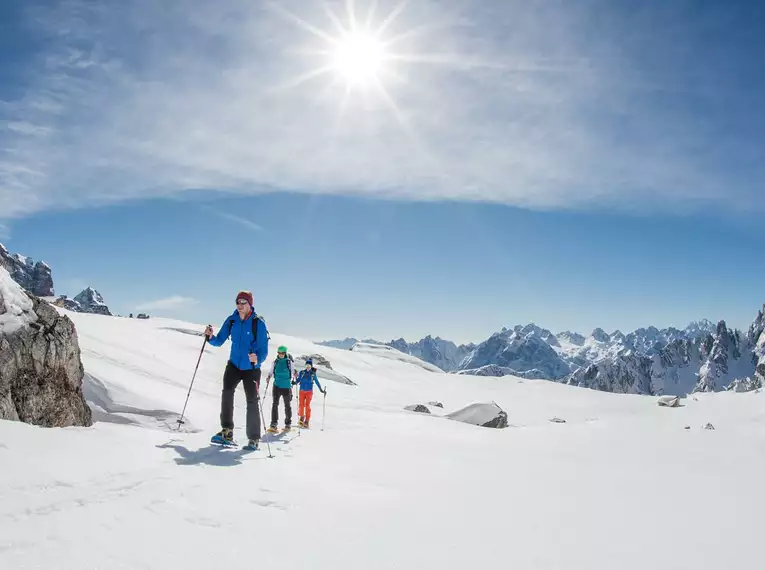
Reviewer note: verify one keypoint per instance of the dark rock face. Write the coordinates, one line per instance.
(40, 370)
(35, 277)
(91, 301)
(419, 408)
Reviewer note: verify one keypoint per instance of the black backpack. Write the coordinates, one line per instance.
(255, 320)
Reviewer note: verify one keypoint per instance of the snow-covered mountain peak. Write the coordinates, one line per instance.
(599, 335)
(700, 328)
(571, 338)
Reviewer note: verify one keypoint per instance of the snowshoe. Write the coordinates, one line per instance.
(273, 429)
(252, 445)
(286, 429)
(224, 437)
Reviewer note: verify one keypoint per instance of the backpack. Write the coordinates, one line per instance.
(255, 320)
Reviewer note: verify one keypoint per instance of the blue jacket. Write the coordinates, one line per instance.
(242, 341)
(306, 380)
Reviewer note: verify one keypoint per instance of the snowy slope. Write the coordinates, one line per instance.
(388, 352)
(621, 484)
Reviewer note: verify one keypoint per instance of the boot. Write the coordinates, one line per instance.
(226, 436)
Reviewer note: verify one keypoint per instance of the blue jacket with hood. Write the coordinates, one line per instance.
(306, 380)
(242, 341)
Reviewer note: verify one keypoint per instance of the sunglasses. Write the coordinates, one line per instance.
(281, 353)
(242, 302)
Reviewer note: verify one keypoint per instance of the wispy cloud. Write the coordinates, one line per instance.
(168, 303)
(246, 222)
(507, 102)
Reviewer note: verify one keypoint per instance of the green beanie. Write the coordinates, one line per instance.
(282, 349)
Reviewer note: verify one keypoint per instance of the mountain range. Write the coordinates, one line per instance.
(701, 357)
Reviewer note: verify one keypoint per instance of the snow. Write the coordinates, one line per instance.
(16, 308)
(384, 351)
(621, 484)
(476, 414)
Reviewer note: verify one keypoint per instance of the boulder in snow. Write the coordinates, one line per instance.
(557, 420)
(481, 414)
(669, 401)
(418, 408)
(436, 404)
(40, 368)
(709, 426)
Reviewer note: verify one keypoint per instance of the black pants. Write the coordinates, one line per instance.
(251, 381)
(286, 395)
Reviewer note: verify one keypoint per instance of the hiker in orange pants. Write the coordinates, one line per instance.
(306, 379)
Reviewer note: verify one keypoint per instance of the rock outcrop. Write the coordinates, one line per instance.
(91, 301)
(35, 277)
(483, 414)
(419, 408)
(40, 368)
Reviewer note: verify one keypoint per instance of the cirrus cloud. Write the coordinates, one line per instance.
(513, 102)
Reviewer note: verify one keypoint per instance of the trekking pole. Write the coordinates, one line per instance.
(180, 420)
(324, 409)
(263, 422)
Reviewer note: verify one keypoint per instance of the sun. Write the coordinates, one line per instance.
(358, 58)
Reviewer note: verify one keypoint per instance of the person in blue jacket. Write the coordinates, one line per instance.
(306, 379)
(249, 348)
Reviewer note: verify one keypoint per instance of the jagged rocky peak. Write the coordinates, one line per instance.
(91, 301)
(600, 335)
(571, 337)
(35, 277)
(758, 326)
(700, 328)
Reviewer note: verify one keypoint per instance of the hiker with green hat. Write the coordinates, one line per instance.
(282, 373)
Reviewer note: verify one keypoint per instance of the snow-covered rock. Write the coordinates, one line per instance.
(490, 370)
(669, 401)
(34, 277)
(481, 414)
(91, 301)
(393, 354)
(419, 408)
(40, 368)
(323, 369)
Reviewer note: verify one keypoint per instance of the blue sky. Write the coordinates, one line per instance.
(577, 164)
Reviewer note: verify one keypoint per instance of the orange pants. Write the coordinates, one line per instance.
(304, 405)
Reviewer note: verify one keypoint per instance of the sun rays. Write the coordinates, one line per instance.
(357, 54)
